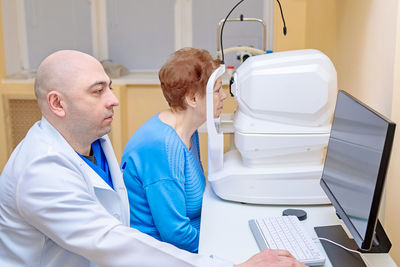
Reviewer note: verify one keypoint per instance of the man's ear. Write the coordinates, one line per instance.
(55, 101)
(192, 99)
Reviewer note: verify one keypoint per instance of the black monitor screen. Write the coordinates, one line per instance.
(355, 165)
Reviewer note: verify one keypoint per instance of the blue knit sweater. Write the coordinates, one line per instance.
(165, 184)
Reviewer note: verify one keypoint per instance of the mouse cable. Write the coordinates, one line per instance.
(348, 249)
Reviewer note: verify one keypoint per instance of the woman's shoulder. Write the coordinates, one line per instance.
(152, 130)
(153, 136)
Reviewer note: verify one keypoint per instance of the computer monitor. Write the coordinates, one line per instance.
(355, 168)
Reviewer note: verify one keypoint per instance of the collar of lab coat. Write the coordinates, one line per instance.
(97, 182)
(95, 179)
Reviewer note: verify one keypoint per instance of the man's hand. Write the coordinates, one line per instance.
(272, 258)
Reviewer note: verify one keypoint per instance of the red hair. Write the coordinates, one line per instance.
(186, 72)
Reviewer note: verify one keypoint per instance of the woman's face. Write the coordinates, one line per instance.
(219, 97)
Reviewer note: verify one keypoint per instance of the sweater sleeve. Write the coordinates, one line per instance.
(166, 199)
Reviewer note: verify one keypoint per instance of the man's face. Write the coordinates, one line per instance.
(90, 103)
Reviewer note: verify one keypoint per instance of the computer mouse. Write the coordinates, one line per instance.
(300, 214)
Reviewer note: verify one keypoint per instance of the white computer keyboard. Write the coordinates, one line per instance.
(286, 232)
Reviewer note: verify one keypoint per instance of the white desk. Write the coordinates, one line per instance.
(225, 231)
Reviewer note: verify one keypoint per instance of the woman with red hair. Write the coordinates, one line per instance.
(161, 162)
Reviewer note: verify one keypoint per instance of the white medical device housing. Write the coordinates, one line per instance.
(281, 128)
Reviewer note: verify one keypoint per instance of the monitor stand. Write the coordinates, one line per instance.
(338, 256)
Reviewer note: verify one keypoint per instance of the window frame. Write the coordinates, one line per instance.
(98, 12)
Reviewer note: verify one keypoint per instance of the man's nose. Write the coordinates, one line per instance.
(112, 100)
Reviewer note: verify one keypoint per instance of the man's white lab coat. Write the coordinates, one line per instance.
(56, 211)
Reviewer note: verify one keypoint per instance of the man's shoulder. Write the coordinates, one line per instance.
(38, 146)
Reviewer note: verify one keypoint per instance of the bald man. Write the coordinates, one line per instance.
(62, 198)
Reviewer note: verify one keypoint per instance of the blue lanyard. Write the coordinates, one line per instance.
(101, 168)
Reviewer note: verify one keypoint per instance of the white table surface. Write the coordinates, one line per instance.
(225, 231)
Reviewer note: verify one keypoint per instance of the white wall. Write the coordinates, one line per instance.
(392, 220)
(365, 62)
(366, 35)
